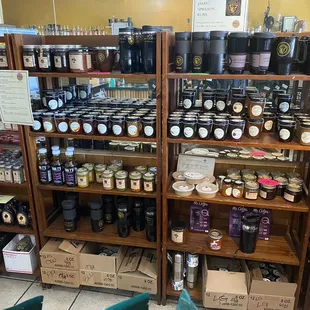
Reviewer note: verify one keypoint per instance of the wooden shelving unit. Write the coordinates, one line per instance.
(51, 223)
(290, 222)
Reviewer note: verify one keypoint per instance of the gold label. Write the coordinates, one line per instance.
(283, 49)
(101, 57)
(197, 61)
(233, 8)
(131, 40)
(179, 61)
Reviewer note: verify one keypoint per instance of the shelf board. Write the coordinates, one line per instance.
(246, 76)
(95, 188)
(109, 234)
(95, 74)
(195, 293)
(89, 137)
(4, 184)
(16, 229)
(276, 250)
(265, 142)
(36, 273)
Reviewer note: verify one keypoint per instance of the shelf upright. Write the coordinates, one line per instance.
(50, 218)
(290, 222)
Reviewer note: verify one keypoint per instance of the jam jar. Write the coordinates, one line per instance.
(220, 128)
(238, 189)
(84, 92)
(282, 184)
(286, 130)
(189, 128)
(227, 187)
(89, 52)
(235, 129)
(175, 127)
(149, 182)
(4, 65)
(37, 124)
(251, 189)
(89, 125)
(99, 168)
(75, 123)
(78, 60)
(256, 108)
(269, 122)
(205, 126)
(48, 122)
(304, 135)
(293, 193)
(208, 99)
(133, 125)
(91, 171)
(45, 58)
(221, 101)
(82, 177)
(30, 59)
(70, 91)
(135, 181)
(254, 128)
(103, 125)
(108, 180)
(118, 125)
(121, 180)
(237, 106)
(50, 99)
(188, 99)
(283, 102)
(61, 122)
(61, 58)
(149, 127)
(268, 189)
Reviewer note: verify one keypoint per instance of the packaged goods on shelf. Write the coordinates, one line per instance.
(199, 217)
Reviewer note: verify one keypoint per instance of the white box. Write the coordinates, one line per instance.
(20, 262)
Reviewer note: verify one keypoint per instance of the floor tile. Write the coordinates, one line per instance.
(55, 298)
(18, 276)
(11, 290)
(95, 301)
(108, 291)
(154, 306)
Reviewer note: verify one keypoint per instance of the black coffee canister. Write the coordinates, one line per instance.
(249, 232)
(199, 42)
(149, 49)
(304, 66)
(139, 48)
(123, 228)
(128, 59)
(150, 228)
(69, 214)
(108, 209)
(96, 215)
(238, 44)
(260, 52)
(285, 54)
(138, 222)
(217, 52)
(183, 52)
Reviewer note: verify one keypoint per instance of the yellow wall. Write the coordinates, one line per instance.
(152, 12)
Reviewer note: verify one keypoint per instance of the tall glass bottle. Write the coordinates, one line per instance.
(70, 170)
(58, 173)
(45, 172)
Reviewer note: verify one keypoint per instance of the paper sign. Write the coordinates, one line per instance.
(196, 164)
(226, 15)
(15, 104)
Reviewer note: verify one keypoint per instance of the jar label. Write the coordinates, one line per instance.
(99, 177)
(133, 130)
(8, 176)
(284, 134)
(175, 131)
(57, 62)
(177, 237)
(121, 184)
(236, 193)
(47, 125)
(188, 132)
(83, 181)
(263, 194)
(28, 62)
(53, 104)
(192, 261)
(75, 127)
(45, 174)
(3, 62)
(284, 107)
(237, 61)
(237, 107)
(148, 131)
(148, 186)
(178, 285)
(7, 217)
(253, 131)
(83, 94)
(187, 104)
(36, 125)
(87, 128)
(102, 129)
(236, 134)
(69, 95)
(305, 138)
(228, 191)
(215, 245)
(261, 60)
(251, 196)
(203, 132)
(70, 176)
(44, 62)
(208, 104)
(60, 103)
(58, 175)
(2, 177)
(289, 197)
(89, 62)
(117, 130)
(220, 105)
(107, 184)
(63, 127)
(257, 110)
(17, 177)
(76, 62)
(219, 133)
(268, 125)
(135, 185)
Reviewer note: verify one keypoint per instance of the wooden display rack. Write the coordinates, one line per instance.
(290, 222)
(20, 191)
(50, 219)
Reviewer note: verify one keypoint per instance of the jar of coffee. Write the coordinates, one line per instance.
(45, 58)
(128, 59)
(30, 59)
(61, 58)
(105, 58)
(254, 128)
(220, 128)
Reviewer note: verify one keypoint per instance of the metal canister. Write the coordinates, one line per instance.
(192, 263)
(178, 271)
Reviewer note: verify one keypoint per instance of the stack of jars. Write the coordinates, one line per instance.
(123, 146)
(11, 167)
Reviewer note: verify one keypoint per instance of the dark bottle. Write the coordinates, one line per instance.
(45, 171)
(128, 59)
(139, 48)
(123, 228)
(249, 232)
(124, 217)
(108, 209)
(23, 214)
(217, 52)
(9, 214)
(138, 222)
(69, 214)
(58, 173)
(96, 215)
(183, 52)
(149, 49)
(70, 170)
(200, 40)
(150, 224)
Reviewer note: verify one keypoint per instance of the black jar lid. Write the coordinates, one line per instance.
(68, 204)
(287, 122)
(122, 206)
(221, 121)
(188, 120)
(178, 225)
(132, 119)
(250, 218)
(289, 96)
(36, 114)
(256, 121)
(269, 114)
(263, 35)
(137, 30)
(238, 96)
(103, 118)
(117, 118)
(201, 36)
(238, 35)
(149, 119)
(183, 36)
(150, 211)
(30, 47)
(237, 122)
(205, 121)
(95, 204)
(107, 198)
(127, 30)
(218, 35)
(149, 29)
(174, 120)
(208, 93)
(60, 115)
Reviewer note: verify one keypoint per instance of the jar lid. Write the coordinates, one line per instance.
(132, 119)
(251, 185)
(150, 211)
(201, 36)
(287, 122)
(89, 166)
(239, 183)
(236, 122)
(95, 204)
(294, 188)
(103, 118)
(36, 113)
(127, 30)
(30, 46)
(263, 35)
(61, 47)
(174, 120)
(221, 121)
(227, 181)
(256, 121)
(68, 204)
(218, 34)
(271, 184)
(243, 35)
(305, 124)
(183, 36)
(100, 167)
(135, 175)
(83, 171)
(60, 115)
(122, 174)
(117, 118)
(149, 176)
(215, 234)
(88, 117)
(205, 121)
(107, 173)
(189, 120)
(141, 168)
(281, 180)
(48, 114)
(105, 48)
(178, 225)
(149, 29)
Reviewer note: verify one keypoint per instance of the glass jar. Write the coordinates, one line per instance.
(30, 59)
(293, 193)
(221, 101)
(149, 182)
(121, 180)
(251, 190)
(89, 125)
(61, 58)
(113, 146)
(50, 99)
(269, 122)
(286, 130)
(8, 173)
(118, 125)
(18, 174)
(99, 168)
(235, 129)
(4, 65)
(148, 49)
(105, 58)
(149, 127)
(249, 177)
(132, 125)
(227, 187)
(61, 122)
(91, 170)
(178, 232)
(237, 106)
(268, 189)
(82, 177)
(283, 102)
(256, 108)
(208, 99)
(89, 52)
(45, 58)
(282, 184)
(108, 180)
(254, 128)
(128, 59)
(2, 174)
(103, 125)
(141, 169)
(37, 124)
(220, 128)
(304, 135)
(205, 126)
(48, 122)
(237, 190)
(175, 127)
(188, 99)
(70, 91)
(189, 128)
(135, 181)
(78, 60)
(75, 123)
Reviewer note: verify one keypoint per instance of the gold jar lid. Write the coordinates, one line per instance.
(122, 174)
(135, 175)
(89, 166)
(107, 173)
(82, 171)
(100, 167)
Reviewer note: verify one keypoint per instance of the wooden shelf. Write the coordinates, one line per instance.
(89, 137)
(16, 229)
(276, 250)
(109, 234)
(95, 188)
(246, 76)
(265, 142)
(18, 186)
(276, 204)
(95, 74)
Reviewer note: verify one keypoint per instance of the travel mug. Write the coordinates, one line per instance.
(138, 221)
(96, 215)
(150, 224)
(304, 56)
(183, 52)
(178, 271)
(139, 48)
(238, 44)
(108, 209)
(149, 49)
(123, 228)
(192, 263)
(217, 52)
(69, 214)
(249, 232)
(128, 59)
(198, 51)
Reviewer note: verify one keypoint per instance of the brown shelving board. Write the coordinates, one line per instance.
(195, 293)
(276, 250)
(16, 229)
(109, 234)
(4, 184)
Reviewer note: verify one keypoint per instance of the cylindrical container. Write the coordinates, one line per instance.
(220, 128)
(269, 122)
(249, 232)
(260, 52)
(236, 129)
(182, 52)
(286, 130)
(215, 240)
(139, 47)
(149, 127)
(256, 108)
(189, 128)
(192, 263)
(4, 65)
(96, 215)
(198, 51)
(177, 279)
(61, 58)
(238, 44)
(208, 101)
(237, 104)
(138, 216)
(178, 232)
(254, 128)
(283, 103)
(105, 58)
(128, 59)
(123, 228)
(69, 214)
(175, 127)
(188, 99)
(217, 52)
(205, 128)
(150, 224)
(149, 49)
(78, 60)
(70, 91)
(293, 193)
(121, 180)
(44, 58)
(30, 59)
(108, 209)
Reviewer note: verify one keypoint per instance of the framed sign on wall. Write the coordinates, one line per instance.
(228, 15)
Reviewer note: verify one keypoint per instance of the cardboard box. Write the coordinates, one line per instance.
(225, 290)
(98, 279)
(20, 262)
(52, 257)
(68, 278)
(138, 271)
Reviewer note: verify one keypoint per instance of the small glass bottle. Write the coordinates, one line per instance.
(70, 169)
(58, 173)
(121, 180)
(45, 171)
(18, 174)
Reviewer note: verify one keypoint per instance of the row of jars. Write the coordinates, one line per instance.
(123, 146)
(11, 167)
(4, 64)
(251, 185)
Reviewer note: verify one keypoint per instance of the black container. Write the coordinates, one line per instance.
(183, 52)
(237, 106)
(221, 101)
(123, 228)
(260, 52)
(175, 127)
(70, 91)
(138, 222)
(69, 214)
(149, 49)
(23, 214)
(123, 210)
(284, 102)
(238, 43)
(9, 214)
(108, 209)
(84, 92)
(285, 54)
(128, 58)
(150, 220)
(249, 232)
(96, 215)
(217, 52)
(200, 47)
(188, 99)
(208, 99)
(50, 99)
(139, 48)
(306, 66)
